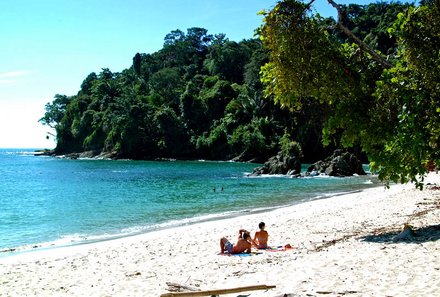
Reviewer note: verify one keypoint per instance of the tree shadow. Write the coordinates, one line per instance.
(425, 234)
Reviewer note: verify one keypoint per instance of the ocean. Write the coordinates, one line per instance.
(48, 202)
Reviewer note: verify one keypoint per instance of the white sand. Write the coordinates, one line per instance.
(351, 266)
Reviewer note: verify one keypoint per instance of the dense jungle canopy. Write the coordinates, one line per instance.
(368, 81)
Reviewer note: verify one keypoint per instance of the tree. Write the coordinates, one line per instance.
(227, 60)
(55, 110)
(411, 89)
(193, 109)
(167, 104)
(388, 107)
(86, 86)
(216, 94)
(182, 49)
(167, 84)
(137, 63)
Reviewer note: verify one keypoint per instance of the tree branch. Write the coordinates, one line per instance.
(309, 4)
(359, 42)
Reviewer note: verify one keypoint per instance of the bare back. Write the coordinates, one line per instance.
(242, 246)
(261, 238)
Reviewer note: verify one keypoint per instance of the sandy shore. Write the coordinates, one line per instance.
(343, 246)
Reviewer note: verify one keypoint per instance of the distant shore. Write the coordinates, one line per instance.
(343, 245)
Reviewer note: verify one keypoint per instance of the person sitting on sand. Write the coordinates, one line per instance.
(243, 244)
(261, 237)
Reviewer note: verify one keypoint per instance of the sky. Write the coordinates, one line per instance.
(49, 47)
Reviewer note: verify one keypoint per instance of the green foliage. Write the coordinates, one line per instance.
(215, 143)
(55, 111)
(306, 61)
(193, 110)
(216, 97)
(228, 61)
(411, 90)
(137, 63)
(371, 23)
(393, 114)
(253, 140)
(187, 100)
(86, 86)
(182, 49)
(167, 84)
(252, 69)
(201, 95)
(288, 147)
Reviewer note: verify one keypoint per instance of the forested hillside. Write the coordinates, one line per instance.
(201, 97)
(198, 97)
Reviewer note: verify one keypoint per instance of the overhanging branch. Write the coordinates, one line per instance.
(309, 4)
(359, 42)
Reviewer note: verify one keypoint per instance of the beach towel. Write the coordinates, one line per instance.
(242, 254)
(279, 248)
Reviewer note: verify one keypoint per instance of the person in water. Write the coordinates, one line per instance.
(243, 244)
(261, 237)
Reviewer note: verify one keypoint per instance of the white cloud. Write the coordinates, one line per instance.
(9, 77)
(16, 73)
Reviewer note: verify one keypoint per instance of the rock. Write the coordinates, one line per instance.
(341, 164)
(407, 234)
(91, 155)
(72, 156)
(88, 154)
(165, 159)
(244, 158)
(44, 152)
(280, 164)
(107, 155)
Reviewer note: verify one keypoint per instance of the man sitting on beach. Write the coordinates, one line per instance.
(243, 244)
(261, 237)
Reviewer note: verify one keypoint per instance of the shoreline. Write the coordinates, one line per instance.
(84, 239)
(7, 252)
(343, 244)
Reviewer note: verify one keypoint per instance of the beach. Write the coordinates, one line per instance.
(343, 245)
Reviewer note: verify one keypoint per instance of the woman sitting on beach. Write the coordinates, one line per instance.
(261, 237)
(243, 244)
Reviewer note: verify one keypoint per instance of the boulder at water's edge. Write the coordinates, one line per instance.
(280, 164)
(341, 163)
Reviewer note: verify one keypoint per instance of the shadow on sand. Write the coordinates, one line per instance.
(425, 234)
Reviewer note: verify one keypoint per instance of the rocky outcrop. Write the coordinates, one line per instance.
(341, 163)
(280, 164)
(90, 155)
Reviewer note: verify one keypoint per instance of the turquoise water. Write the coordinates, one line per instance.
(46, 202)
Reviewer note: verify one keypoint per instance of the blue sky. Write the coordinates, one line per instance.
(48, 47)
